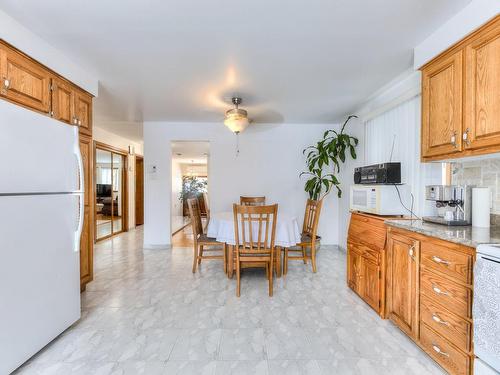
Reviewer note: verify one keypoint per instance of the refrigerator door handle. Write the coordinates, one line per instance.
(81, 197)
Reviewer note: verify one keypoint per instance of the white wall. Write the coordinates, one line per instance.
(103, 136)
(269, 163)
(176, 205)
(20, 37)
(464, 22)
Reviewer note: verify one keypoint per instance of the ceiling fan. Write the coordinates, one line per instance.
(236, 119)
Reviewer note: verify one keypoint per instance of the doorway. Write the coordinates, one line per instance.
(139, 190)
(110, 191)
(189, 180)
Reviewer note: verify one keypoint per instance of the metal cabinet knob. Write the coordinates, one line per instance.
(465, 137)
(438, 350)
(439, 260)
(453, 139)
(437, 319)
(6, 83)
(437, 290)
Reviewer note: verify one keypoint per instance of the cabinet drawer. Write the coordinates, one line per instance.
(455, 329)
(455, 297)
(450, 358)
(452, 263)
(367, 230)
(366, 252)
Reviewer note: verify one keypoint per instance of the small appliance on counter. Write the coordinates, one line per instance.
(454, 204)
(385, 173)
(380, 199)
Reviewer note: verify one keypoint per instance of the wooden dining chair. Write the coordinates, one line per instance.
(308, 237)
(207, 210)
(252, 201)
(254, 232)
(201, 240)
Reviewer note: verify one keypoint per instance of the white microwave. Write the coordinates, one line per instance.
(380, 199)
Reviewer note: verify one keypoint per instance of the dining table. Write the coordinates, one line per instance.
(221, 227)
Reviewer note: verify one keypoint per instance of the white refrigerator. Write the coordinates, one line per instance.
(41, 216)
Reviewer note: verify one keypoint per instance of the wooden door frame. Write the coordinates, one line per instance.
(112, 149)
(139, 157)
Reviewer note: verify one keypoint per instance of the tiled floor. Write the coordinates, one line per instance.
(146, 313)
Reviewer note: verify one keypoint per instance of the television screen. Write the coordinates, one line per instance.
(103, 190)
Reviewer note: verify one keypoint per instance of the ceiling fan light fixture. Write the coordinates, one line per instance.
(236, 119)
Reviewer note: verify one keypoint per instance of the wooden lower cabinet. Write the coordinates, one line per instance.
(366, 259)
(429, 296)
(403, 282)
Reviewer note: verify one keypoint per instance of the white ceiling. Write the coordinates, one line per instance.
(181, 60)
(190, 152)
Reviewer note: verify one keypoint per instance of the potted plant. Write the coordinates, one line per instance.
(323, 161)
(192, 187)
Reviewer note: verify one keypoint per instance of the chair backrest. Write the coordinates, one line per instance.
(255, 227)
(252, 201)
(195, 216)
(311, 218)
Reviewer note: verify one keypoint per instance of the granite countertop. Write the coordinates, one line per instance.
(464, 235)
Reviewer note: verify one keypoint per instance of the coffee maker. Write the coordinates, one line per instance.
(454, 204)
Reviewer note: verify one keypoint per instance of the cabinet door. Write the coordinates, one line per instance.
(83, 111)
(442, 106)
(63, 98)
(482, 88)
(370, 284)
(86, 249)
(87, 152)
(23, 81)
(353, 269)
(402, 283)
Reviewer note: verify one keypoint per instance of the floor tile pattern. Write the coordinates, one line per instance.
(146, 313)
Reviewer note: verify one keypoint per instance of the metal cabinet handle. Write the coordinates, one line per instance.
(437, 319)
(79, 122)
(75, 121)
(453, 139)
(465, 136)
(439, 260)
(438, 350)
(6, 83)
(437, 290)
(411, 252)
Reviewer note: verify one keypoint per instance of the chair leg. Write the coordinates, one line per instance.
(285, 262)
(304, 254)
(278, 261)
(201, 254)
(195, 256)
(267, 271)
(270, 282)
(313, 257)
(224, 255)
(238, 281)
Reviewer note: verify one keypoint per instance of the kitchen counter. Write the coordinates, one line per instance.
(463, 235)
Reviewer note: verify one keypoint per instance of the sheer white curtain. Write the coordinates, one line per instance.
(401, 126)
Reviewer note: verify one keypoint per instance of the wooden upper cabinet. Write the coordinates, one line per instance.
(442, 106)
(83, 111)
(23, 81)
(403, 282)
(63, 98)
(482, 89)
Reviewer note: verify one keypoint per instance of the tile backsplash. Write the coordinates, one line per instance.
(485, 172)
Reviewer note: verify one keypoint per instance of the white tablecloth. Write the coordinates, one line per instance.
(221, 227)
